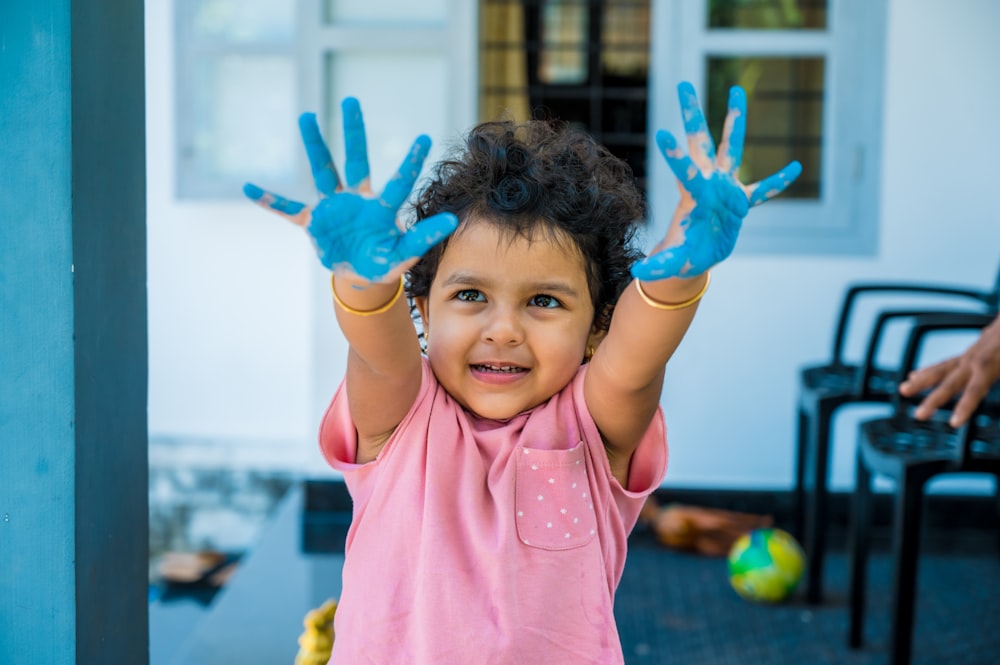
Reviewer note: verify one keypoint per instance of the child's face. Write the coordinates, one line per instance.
(508, 322)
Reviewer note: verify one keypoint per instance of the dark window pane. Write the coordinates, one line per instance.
(503, 68)
(625, 39)
(768, 14)
(563, 57)
(585, 62)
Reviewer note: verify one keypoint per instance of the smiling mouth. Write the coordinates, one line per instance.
(499, 369)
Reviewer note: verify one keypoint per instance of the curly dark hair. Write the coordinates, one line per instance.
(541, 175)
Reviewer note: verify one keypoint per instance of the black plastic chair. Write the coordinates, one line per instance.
(824, 388)
(912, 452)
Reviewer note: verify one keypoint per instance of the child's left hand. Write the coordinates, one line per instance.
(713, 201)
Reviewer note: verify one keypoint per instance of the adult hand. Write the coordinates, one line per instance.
(972, 374)
(713, 201)
(356, 234)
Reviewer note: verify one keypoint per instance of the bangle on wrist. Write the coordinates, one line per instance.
(366, 312)
(670, 307)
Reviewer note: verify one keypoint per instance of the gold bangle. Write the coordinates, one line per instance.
(369, 312)
(681, 305)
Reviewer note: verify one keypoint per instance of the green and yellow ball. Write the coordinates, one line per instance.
(766, 565)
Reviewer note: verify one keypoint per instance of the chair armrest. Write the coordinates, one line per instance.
(855, 292)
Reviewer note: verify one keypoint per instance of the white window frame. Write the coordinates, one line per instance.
(455, 37)
(844, 220)
(192, 180)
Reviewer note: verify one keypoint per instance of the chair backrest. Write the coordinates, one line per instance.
(865, 387)
(989, 300)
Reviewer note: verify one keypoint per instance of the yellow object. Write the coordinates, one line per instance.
(370, 312)
(316, 642)
(766, 565)
(681, 305)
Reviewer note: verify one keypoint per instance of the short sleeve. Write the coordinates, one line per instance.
(649, 461)
(338, 438)
(647, 468)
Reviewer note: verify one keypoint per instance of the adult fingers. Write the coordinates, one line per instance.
(401, 184)
(320, 162)
(700, 143)
(926, 377)
(355, 144)
(774, 184)
(427, 233)
(687, 173)
(734, 132)
(974, 392)
(293, 211)
(941, 395)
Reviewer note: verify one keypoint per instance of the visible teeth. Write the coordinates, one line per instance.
(494, 368)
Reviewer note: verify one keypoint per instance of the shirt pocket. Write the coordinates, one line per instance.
(553, 506)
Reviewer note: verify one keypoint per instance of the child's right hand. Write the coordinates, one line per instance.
(356, 234)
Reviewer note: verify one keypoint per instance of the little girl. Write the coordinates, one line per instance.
(496, 475)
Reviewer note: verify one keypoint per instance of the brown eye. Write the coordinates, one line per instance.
(544, 301)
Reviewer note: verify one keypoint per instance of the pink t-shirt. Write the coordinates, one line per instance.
(483, 541)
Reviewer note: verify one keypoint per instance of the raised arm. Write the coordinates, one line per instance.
(358, 237)
(624, 381)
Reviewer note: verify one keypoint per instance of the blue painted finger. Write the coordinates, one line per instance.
(253, 192)
(273, 201)
(684, 169)
(320, 162)
(774, 184)
(401, 184)
(737, 131)
(666, 263)
(355, 144)
(694, 120)
(427, 233)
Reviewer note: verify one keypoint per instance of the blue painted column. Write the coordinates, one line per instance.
(73, 460)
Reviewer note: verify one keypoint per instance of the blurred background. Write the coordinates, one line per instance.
(889, 104)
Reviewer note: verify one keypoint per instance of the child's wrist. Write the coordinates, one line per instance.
(368, 299)
(674, 293)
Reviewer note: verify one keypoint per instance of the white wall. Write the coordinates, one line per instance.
(235, 296)
(230, 300)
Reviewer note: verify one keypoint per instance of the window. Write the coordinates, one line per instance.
(402, 61)
(247, 68)
(235, 79)
(582, 61)
(812, 70)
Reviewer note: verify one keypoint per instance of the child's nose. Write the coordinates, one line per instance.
(503, 327)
